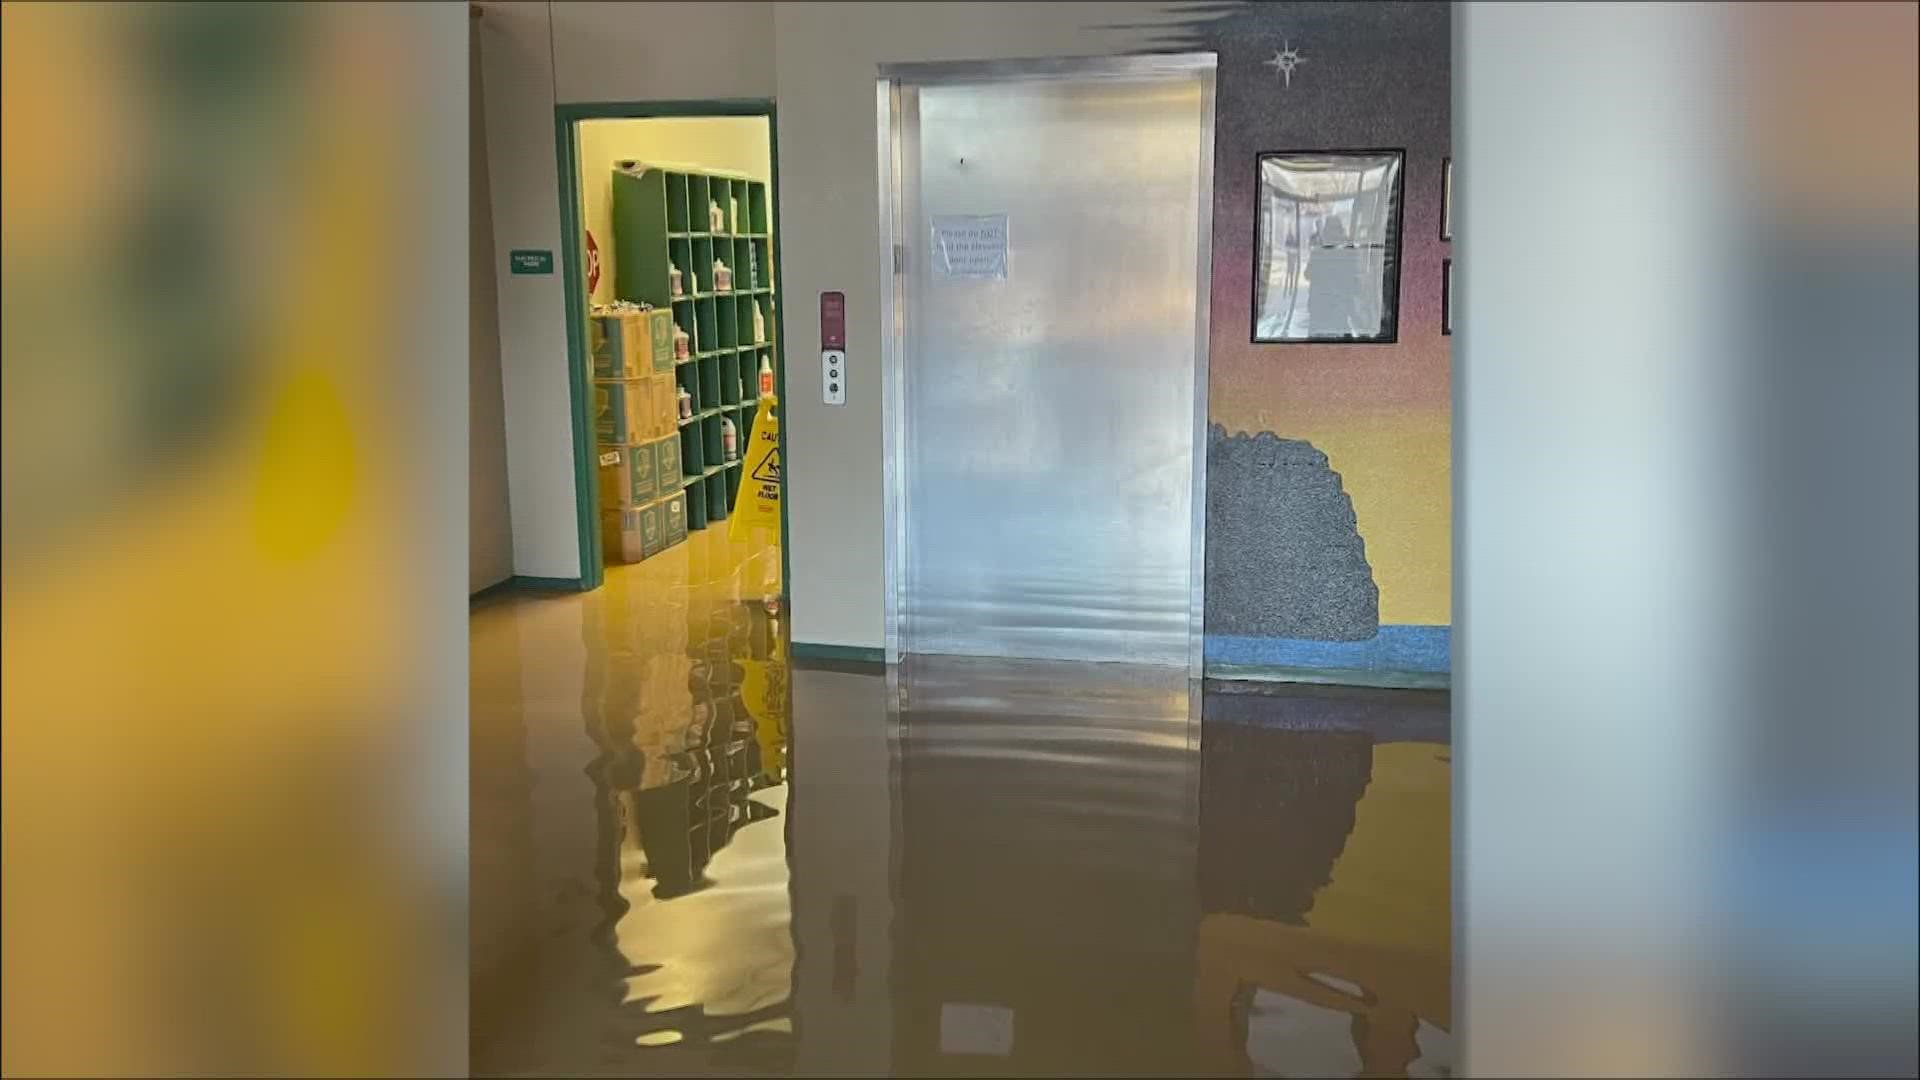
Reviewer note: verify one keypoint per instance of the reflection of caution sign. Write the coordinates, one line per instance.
(763, 689)
(758, 506)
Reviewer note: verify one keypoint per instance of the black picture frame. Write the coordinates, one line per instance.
(1390, 285)
(1446, 199)
(1446, 297)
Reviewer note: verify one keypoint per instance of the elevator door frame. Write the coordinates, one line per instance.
(894, 391)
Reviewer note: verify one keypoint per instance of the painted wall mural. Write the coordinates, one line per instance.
(1329, 474)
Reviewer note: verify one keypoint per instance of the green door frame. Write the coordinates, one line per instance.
(566, 119)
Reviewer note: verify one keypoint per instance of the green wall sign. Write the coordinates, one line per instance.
(531, 262)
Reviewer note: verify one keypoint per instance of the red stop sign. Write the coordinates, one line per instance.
(593, 263)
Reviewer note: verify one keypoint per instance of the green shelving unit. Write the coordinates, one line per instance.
(662, 220)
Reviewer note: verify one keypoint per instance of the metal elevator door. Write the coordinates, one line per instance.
(1046, 390)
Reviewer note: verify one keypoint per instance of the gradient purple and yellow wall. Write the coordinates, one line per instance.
(1371, 76)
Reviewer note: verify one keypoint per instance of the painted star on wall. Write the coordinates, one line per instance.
(1286, 60)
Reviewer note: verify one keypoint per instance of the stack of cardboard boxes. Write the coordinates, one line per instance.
(643, 510)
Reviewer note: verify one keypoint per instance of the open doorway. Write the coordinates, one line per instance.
(674, 339)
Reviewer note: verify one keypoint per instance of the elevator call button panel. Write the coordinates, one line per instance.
(833, 348)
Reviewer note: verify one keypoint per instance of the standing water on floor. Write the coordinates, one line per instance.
(690, 857)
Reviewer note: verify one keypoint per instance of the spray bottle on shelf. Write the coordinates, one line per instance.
(759, 326)
(682, 344)
(729, 440)
(686, 404)
(716, 217)
(673, 280)
(722, 277)
(766, 376)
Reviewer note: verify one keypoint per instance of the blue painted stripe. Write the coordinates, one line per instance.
(1394, 648)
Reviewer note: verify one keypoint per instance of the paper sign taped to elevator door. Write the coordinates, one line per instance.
(970, 246)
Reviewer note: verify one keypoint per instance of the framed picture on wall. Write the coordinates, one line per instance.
(1326, 260)
(1446, 199)
(1446, 296)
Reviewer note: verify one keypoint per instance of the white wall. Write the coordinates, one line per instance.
(489, 520)
(518, 71)
(663, 52)
(532, 56)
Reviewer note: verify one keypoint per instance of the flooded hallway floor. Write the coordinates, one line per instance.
(691, 856)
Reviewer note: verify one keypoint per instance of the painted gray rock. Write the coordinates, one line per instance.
(1284, 554)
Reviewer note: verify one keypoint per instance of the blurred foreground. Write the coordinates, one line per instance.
(234, 643)
(234, 806)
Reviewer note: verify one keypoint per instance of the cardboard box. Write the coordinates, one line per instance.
(676, 512)
(620, 408)
(632, 411)
(653, 528)
(666, 462)
(636, 475)
(622, 345)
(632, 344)
(637, 533)
(621, 535)
(666, 403)
(627, 477)
(660, 331)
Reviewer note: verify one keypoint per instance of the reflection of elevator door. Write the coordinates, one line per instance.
(1046, 450)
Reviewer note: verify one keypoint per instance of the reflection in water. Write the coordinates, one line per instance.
(1276, 806)
(1325, 949)
(696, 879)
(1027, 870)
(1046, 867)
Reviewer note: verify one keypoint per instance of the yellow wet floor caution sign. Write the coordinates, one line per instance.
(758, 506)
